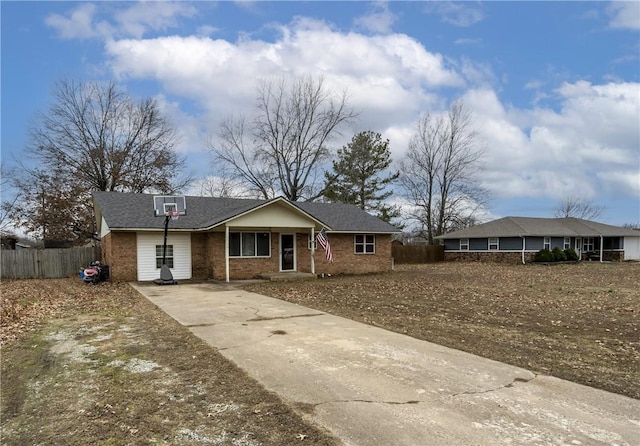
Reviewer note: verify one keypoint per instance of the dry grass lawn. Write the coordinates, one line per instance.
(579, 322)
(100, 362)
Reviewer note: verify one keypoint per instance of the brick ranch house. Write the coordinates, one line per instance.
(517, 239)
(229, 239)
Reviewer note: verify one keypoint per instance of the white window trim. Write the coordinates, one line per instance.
(167, 257)
(364, 244)
(256, 245)
(566, 244)
(546, 244)
(497, 244)
(464, 244)
(588, 242)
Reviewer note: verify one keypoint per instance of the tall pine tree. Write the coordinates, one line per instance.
(360, 175)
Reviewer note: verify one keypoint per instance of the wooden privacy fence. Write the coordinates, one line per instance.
(46, 263)
(417, 254)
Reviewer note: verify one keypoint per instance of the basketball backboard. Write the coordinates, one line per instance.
(164, 204)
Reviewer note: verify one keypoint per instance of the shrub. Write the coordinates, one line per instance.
(571, 254)
(544, 255)
(558, 255)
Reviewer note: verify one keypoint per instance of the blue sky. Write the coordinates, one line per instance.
(554, 87)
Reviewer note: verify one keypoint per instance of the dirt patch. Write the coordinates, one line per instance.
(100, 364)
(578, 322)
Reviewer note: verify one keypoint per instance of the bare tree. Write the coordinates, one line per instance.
(92, 137)
(10, 196)
(106, 140)
(224, 187)
(241, 161)
(579, 208)
(440, 172)
(288, 139)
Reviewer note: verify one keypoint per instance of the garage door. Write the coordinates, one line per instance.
(150, 250)
(632, 248)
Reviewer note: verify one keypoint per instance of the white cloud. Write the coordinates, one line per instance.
(624, 14)
(79, 24)
(587, 144)
(394, 76)
(146, 15)
(379, 20)
(190, 128)
(136, 20)
(462, 14)
(206, 30)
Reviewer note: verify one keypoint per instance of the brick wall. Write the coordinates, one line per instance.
(345, 261)
(208, 260)
(342, 245)
(199, 259)
(514, 257)
(607, 256)
(495, 256)
(120, 253)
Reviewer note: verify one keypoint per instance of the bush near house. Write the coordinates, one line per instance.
(555, 255)
(544, 255)
(571, 254)
(558, 255)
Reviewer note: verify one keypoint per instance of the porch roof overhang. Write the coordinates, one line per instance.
(267, 215)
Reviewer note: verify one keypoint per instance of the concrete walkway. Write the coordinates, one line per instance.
(369, 386)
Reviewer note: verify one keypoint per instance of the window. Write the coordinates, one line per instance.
(168, 257)
(365, 244)
(611, 243)
(493, 244)
(587, 244)
(547, 243)
(464, 244)
(249, 244)
(567, 243)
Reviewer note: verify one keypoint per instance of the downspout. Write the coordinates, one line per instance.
(226, 252)
(313, 251)
(523, 247)
(601, 247)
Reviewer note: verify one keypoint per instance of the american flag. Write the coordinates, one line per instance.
(323, 240)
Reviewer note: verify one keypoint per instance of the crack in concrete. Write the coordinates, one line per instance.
(259, 318)
(400, 403)
(506, 386)
(397, 403)
(199, 325)
(265, 318)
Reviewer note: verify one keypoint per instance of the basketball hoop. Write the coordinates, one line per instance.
(174, 215)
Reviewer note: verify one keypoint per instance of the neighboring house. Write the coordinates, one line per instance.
(227, 238)
(517, 239)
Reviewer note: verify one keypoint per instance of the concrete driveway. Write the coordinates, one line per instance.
(369, 386)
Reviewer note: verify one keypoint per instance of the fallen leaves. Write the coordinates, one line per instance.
(24, 304)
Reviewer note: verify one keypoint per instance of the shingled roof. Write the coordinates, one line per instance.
(135, 211)
(529, 226)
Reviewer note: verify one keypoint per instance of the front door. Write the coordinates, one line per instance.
(287, 252)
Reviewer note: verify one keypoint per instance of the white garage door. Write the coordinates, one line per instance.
(632, 248)
(148, 253)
